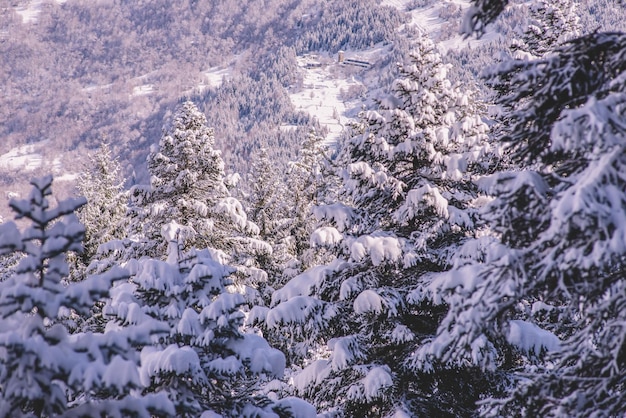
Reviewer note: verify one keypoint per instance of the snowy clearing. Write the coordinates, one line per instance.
(27, 158)
(430, 20)
(323, 94)
(214, 76)
(143, 90)
(31, 11)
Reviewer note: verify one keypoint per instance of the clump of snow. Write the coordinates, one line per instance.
(379, 249)
(120, 374)
(540, 307)
(255, 351)
(225, 302)
(257, 246)
(304, 283)
(416, 199)
(340, 214)
(375, 382)
(233, 209)
(229, 366)
(210, 414)
(530, 338)
(173, 359)
(325, 236)
(312, 375)
(402, 334)
(346, 350)
(297, 407)
(293, 311)
(368, 301)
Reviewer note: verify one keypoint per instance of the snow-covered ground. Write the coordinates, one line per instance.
(324, 79)
(27, 158)
(143, 90)
(214, 76)
(430, 21)
(30, 12)
(323, 93)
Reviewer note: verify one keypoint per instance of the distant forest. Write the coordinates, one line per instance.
(73, 77)
(69, 77)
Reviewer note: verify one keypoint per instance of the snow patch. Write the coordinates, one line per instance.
(378, 248)
(368, 301)
(143, 90)
(30, 12)
(215, 76)
(530, 338)
(322, 94)
(325, 236)
(27, 158)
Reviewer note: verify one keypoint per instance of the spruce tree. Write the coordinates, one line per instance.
(544, 301)
(104, 215)
(405, 206)
(550, 24)
(187, 185)
(44, 370)
(306, 187)
(202, 359)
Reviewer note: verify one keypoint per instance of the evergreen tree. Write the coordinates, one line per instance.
(544, 301)
(104, 215)
(267, 209)
(306, 188)
(187, 185)
(405, 206)
(266, 189)
(44, 371)
(551, 24)
(203, 360)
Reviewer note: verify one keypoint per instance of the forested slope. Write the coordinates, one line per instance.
(459, 251)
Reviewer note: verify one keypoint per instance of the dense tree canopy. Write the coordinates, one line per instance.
(454, 253)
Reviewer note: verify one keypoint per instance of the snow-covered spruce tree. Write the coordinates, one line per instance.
(104, 215)
(306, 188)
(205, 363)
(187, 186)
(267, 208)
(265, 195)
(406, 206)
(550, 24)
(44, 371)
(553, 277)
